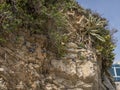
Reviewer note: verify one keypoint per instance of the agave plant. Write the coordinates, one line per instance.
(92, 28)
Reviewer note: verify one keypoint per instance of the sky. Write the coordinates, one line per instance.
(110, 9)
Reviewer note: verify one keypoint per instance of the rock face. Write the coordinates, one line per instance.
(28, 60)
(117, 85)
(24, 66)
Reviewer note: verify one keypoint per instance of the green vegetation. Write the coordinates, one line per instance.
(37, 16)
(48, 17)
(100, 38)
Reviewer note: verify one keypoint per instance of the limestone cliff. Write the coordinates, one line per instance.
(53, 45)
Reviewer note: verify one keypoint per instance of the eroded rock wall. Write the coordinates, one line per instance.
(26, 64)
(27, 60)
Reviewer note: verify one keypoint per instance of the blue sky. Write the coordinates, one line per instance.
(110, 9)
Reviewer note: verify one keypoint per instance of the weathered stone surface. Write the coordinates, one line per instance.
(72, 45)
(35, 70)
(88, 71)
(1, 69)
(72, 50)
(62, 67)
(107, 83)
(117, 85)
(29, 65)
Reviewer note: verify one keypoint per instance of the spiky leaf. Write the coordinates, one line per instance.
(98, 37)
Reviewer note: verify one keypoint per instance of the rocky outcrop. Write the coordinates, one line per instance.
(26, 66)
(29, 57)
(117, 85)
